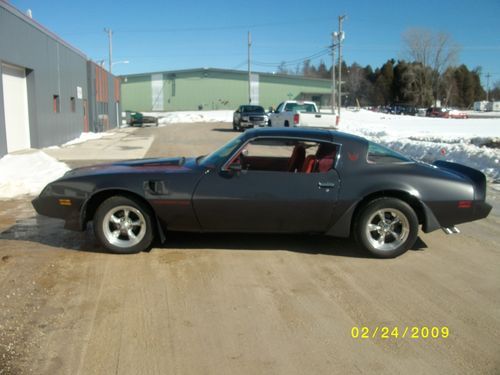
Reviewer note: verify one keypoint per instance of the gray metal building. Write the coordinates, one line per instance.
(49, 91)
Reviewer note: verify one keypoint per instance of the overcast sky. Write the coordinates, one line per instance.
(168, 35)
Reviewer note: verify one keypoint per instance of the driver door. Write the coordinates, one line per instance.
(264, 196)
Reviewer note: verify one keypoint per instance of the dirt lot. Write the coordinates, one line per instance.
(241, 304)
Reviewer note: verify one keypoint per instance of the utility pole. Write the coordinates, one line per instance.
(341, 37)
(249, 69)
(488, 87)
(110, 46)
(334, 36)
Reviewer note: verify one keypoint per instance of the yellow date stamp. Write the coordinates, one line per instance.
(410, 332)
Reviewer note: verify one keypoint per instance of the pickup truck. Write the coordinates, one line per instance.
(296, 113)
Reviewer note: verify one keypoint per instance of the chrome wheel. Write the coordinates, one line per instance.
(124, 226)
(387, 229)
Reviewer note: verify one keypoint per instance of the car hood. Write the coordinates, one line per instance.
(166, 165)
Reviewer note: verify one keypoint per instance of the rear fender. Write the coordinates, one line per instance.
(343, 226)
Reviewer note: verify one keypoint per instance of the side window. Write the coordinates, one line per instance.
(280, 107)
(287, 155)
(290, 106)
(381, 154)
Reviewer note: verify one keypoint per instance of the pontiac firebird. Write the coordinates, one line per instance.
(271, 180)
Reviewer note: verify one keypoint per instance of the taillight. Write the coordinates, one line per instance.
(464, 204)
(296, 118)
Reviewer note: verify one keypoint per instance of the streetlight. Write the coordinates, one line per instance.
(120, 62)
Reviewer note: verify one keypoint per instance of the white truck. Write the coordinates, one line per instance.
(297, 113)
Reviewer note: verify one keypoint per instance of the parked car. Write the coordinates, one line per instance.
(280, 180)
(421, 112)
(437, 112)
(304, 114)
(455, 113)
(137, 118)
(248, 116)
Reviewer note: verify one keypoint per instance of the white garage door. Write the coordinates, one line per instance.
(15, 94)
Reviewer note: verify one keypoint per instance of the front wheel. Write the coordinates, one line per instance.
(387, 227)
(123, 225)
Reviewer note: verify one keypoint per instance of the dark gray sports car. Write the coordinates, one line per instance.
(271, 180)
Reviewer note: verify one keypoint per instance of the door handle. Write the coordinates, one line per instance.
(325, 185)
(317, 116)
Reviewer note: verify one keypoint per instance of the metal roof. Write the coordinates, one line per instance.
(219, 70)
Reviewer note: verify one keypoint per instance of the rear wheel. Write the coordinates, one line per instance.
(287, 124)
(386, 227)
(123, 225)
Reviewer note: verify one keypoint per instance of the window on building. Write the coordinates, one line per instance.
(56, 106)
(73, 104)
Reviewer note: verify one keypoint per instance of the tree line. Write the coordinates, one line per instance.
(428, 73)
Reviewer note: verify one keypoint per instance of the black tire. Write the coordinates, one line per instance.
(287, 124)
(269, 123)
(124, 243)
(378, 215)
(234, 126)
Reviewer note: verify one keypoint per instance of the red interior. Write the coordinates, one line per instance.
(321, 162)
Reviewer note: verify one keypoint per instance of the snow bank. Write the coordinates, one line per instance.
(430, 139)
(22, 174)
(165, 118)
(84, 137)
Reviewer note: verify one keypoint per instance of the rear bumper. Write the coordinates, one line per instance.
(448, 215)
(481, 210)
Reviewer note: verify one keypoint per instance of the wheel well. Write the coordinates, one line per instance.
(402, 195)
(95, 200)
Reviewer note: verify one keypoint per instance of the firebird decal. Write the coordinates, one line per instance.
(353, 157)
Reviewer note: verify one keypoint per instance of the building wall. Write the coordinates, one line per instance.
(213, 89)
(53, 68)
(104, 95)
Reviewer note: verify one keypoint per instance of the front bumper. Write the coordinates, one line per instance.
(251, 124)
(51, 207)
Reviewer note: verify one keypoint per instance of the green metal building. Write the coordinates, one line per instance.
(209, 88)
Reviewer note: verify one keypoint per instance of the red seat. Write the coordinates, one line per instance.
(308, 166)
(297, 159)
(326, 157)
(325, 164)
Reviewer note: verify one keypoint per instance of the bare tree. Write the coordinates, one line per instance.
(434, 50)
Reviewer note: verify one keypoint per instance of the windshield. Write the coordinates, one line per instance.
(252, 108)
(218, 156)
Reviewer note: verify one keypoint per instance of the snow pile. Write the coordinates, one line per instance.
(84, 137)
(429, 139)
(28, 173)
(165, 118)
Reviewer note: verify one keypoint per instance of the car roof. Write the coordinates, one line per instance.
(314, 133)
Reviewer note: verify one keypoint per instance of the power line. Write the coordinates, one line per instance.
(316, 55)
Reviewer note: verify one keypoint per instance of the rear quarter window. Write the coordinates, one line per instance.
(381, 154)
